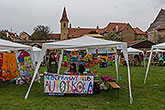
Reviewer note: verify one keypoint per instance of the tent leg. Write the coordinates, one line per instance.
(129, 78)
(148, 65)
(35, 73)
(59, 65)
(31, 49)
(117, 73)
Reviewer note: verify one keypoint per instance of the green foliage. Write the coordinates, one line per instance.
(112, 36)
(40, 33)
(161, 39)
(155, 37)
(140, 38)
(3, 36)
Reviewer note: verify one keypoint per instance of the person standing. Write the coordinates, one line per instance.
(161, 58)
(52, 65)
(139, 60)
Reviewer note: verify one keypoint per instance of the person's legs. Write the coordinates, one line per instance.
(161, 62)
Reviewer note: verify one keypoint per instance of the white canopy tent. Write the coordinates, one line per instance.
(78, 43)
(158, 46)
(37, 52)
(156, 50)
(134, 51)
(8, 45)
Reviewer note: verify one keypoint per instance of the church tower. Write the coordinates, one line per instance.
(64, 25)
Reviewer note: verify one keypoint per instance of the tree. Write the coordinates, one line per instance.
(3, 36)
(112, 36)
(40, 33)
(160, 39)
(140, 38)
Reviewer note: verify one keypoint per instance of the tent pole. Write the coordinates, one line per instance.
(60, 61)
(31, 49)
(36, 71)
(148, 65)
(117, 72)
(125, 52)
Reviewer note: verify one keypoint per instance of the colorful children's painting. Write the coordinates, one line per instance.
(8, 66)
(26, 64)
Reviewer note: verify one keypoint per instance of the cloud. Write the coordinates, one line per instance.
(26, 14)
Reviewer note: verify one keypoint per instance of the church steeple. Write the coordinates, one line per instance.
(64, 16)
(64, 25)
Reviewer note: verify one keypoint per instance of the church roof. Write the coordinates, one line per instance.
(78, 32)
(54, 36)
(64, 16)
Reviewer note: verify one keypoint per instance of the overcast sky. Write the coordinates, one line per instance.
(24, 15)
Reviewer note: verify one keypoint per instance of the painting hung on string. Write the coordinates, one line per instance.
(26, 63)
(8, 66)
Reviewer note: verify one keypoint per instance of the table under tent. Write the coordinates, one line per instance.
(11, 48)
(78, 43)
(153, 48)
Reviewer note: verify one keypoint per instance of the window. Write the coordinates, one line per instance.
(64, 33)
(64, 25)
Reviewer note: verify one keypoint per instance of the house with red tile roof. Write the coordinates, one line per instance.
(125, 30)
(139, 34)
(5, 34)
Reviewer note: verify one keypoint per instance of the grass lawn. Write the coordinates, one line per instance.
(146, 97)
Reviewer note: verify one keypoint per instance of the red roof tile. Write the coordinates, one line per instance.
(77, 32)
(64, 16)
(139, 31)
(160, 28)
(112, 27)
(54, 36)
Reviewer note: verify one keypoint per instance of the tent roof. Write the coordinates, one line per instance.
(81, 42)
(35, 49)
(156, 50)
(162, 46)
(134, 51)
(8, 45)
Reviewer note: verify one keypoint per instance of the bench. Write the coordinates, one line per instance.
(114, 86)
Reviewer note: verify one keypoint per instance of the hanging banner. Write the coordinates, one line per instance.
(26, 63)
(1, 62)
(9, 66)
(111, 50)
(71, 84)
